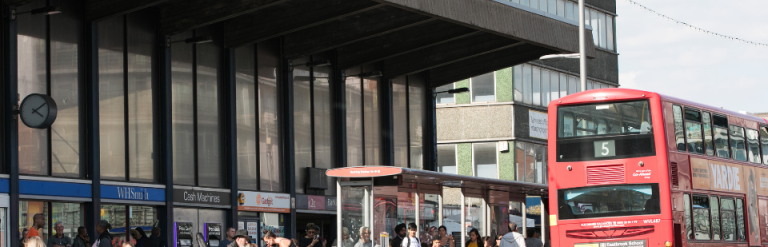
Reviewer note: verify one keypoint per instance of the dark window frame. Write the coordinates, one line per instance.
(715, 125)
(748, 146)
(763, 139)
(708, 213)
(693, 119)
(684, 146)
(709, 146)
(744, 140)
(720, 198)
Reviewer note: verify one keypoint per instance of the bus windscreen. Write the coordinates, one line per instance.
(609, 201)
(609, 130)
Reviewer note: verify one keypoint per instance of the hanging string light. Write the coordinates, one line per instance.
(696, 28)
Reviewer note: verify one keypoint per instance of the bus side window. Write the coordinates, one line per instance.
(708, 133)
(701, 217)
(715, 207)
(728, 216)
(741, 226)
(753, 146)
(693, 131)
(738, 147)
(679, 133)
(764, 142)
(721, 136)
(687, 205)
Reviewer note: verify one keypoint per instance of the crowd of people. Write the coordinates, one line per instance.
(33, 236)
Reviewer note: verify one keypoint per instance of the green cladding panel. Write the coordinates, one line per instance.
(462, 98)
(464, 154)
(507, 163)
(504, 85)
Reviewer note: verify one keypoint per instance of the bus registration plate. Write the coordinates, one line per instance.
(628, 243)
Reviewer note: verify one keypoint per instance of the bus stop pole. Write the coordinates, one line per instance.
(339, 240)
(463, 228)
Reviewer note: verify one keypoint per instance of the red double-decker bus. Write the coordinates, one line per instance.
(634, 168)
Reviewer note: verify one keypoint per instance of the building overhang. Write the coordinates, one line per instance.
(448, 39)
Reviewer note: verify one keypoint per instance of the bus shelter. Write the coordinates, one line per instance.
(373, 200)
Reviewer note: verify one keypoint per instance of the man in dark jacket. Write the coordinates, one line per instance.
(155, 240)
(81, 240)
(397, 240)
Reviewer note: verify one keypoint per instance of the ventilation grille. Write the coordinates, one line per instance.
(610, 233)
(608, 174)
(673, 174)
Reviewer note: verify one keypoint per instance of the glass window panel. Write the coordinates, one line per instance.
(111, 99)
(715, 208)
(740, 230)
(764, 143)
(589, 85)
(70, 215)
(452, 212)
(483, 88)
(573, 85)
(322, 104)
(354, 121)
(485, 160)
(33, 143)
(609, 32)
(603, 29)
(701, 217)
(563, 85)
(116, 216)
(721, 143)
(245, 114)
(541, 164)
(446, 158)
(527, 84)
(569, 10)
(210, 172)
(534, 3)
(444, 98)
(520, 160)
(182, 112)
(754, 146)
(141, 46)
(269, 140)
(679, 132)
(536, 82)
(416, 110)
(543, 5)
(593, 21)
(400, 121)
(687, 209)
(708, 133)
(518, 82)
(552, 7)
(143, 217)
(475, 219)
(561, 8)
(515, 1)
(728, 218)
(530, 163)
(693, 135)
(65, 34)
(554, 85)
(545, 87)
(429, 217)
(302, 122)
(27, 212)
(372, 127)
(524, 2)
(738, 148)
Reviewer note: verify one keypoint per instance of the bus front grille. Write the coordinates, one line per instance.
(605, 174)
(608, 233)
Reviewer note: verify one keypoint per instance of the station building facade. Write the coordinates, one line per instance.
(194, 117)
(498, 129)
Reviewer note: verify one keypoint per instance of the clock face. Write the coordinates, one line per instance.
(37, 111)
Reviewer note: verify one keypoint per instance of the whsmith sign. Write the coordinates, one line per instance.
(201, 197)
(132, 193)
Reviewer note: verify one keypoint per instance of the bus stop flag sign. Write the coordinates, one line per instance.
(363, 171)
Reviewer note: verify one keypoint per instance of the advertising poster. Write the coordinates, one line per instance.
(264, 202)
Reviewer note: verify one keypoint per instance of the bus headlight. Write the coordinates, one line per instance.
(667, 244)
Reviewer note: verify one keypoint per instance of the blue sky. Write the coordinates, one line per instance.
(661, 56)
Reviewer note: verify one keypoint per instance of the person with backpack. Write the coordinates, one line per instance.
(512, 238)
(411, 240)
(105, 239)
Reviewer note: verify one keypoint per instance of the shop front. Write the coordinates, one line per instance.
(319, 211)
(199, 214)
(374, 200)
(131, 209)
(51, 201)
(259, 212)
